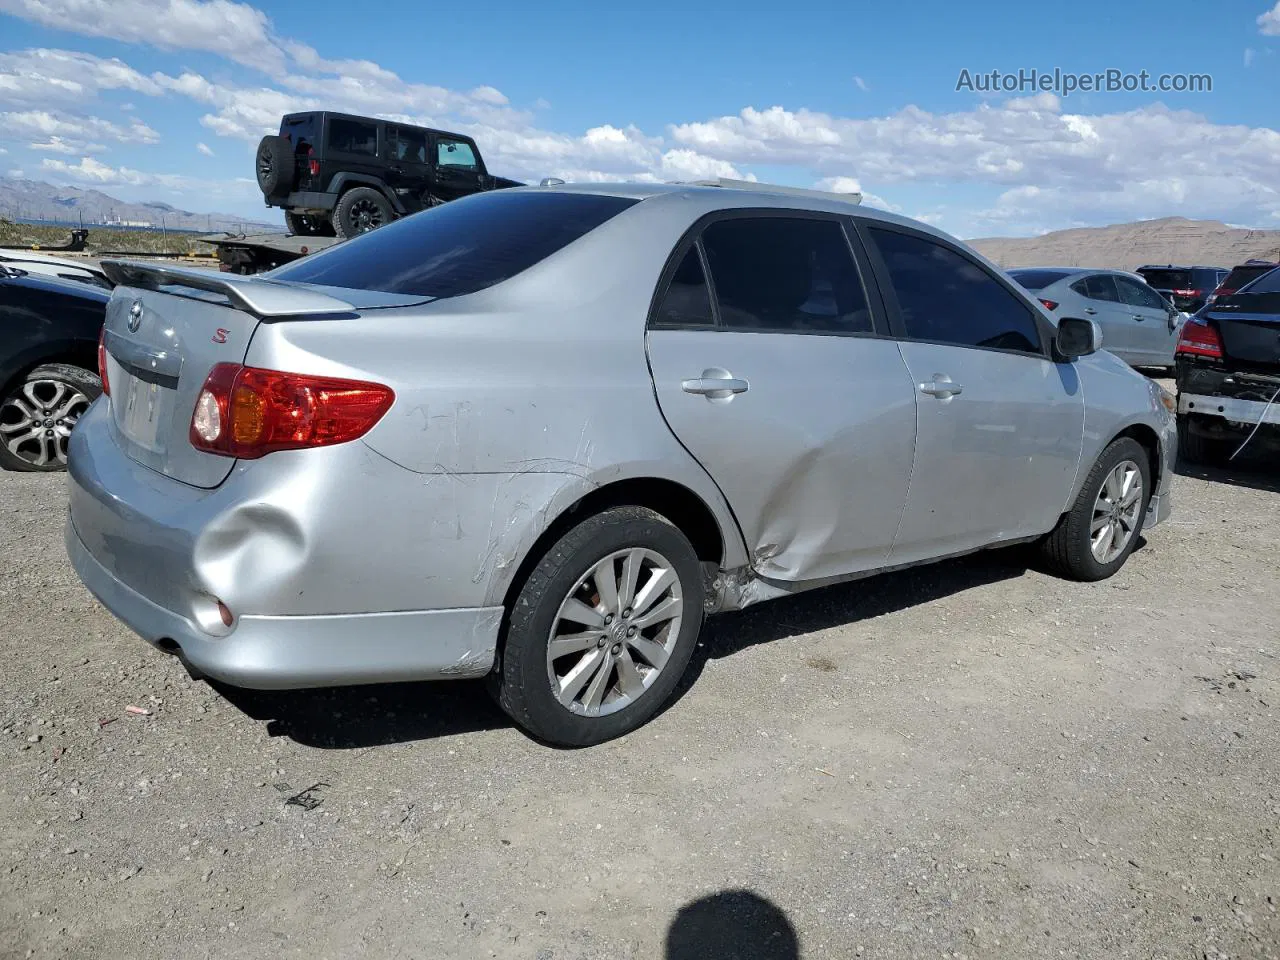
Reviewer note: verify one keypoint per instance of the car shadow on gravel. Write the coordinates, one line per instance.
(1256, 471)
(346, 718)
(847, 603)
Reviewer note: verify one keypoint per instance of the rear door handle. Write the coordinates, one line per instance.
(715, 384)
(1139, 317)
(1090, 311)
(942, 387)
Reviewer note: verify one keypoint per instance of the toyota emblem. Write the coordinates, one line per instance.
(135, 316)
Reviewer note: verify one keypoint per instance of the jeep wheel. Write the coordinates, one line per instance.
(360, 210)
(274, 165)
(307, 225)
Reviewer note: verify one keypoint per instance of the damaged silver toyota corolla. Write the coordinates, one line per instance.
(538, 434)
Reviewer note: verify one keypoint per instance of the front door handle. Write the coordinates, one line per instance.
(942, 387)
(1139, 317)
(715, 384)
(1090, 311)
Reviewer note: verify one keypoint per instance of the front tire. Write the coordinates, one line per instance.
(38, 413)
(602, 629)
(360, 210)
(1095, 537)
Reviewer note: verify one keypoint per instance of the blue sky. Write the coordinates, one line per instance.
(165, 99)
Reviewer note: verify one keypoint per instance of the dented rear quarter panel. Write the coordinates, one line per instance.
(511, 404)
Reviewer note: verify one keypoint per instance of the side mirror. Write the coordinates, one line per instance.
(1077, 338)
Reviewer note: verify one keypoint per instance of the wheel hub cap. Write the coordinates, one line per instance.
(614, 632)
(37, 419)
(1117, 512)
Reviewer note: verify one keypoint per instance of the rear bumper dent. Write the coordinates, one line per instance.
(271, 653)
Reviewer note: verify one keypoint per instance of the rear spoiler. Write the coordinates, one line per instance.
(260, 297)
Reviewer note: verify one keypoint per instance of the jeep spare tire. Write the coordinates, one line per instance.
(360, 210)
(274, 163)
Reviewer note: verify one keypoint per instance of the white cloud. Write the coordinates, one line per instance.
(861, 84)
(92, 171)
(205, 149)
(236, 31)
(43, 77)
(29, 123)
(1269, 22)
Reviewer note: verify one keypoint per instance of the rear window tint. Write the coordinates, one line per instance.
(1267, 283)
(1238, 277)
(1034, 280)
(302, 130)
(1166, 279)
(460, 247)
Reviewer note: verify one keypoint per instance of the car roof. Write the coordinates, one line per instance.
(1177, 266)
(52, 284)
(367, 119)
(31, 256)
(710, 198)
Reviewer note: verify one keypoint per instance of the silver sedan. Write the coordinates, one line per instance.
(538, 434)
(1138, 325)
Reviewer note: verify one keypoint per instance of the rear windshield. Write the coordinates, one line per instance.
(1034, 280)
(460, 247)
(303, 130)
(1166, 279)
(1268, 283)
(1238, 277)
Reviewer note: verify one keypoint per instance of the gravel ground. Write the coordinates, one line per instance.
(968, 760)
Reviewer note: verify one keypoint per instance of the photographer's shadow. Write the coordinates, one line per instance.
(731, 925)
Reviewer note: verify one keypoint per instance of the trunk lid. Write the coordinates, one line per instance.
(165, 329)
(1249, 326)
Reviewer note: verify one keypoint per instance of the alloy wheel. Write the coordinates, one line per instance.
(1116, 512)
(614, 632)
(36, 421)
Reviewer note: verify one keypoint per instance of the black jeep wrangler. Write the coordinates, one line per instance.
(337, 174)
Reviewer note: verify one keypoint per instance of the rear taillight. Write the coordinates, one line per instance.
(102, 360)
(314, 165)
(1186, 293)
(1049, 304)
(1198, 339)
(246, 412)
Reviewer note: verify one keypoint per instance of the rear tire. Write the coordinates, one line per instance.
(37, 414)
(1195, 448)
(274, 165)
(360, 210)
(1076, 548)
(307, 225)
(611, 675)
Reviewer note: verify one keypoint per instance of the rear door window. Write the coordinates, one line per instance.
(947, 298)
(459, 247)
(1098, 286)
(687, 302)
(353, 136)
(784, 274)
(1241, 275)
(406, 144)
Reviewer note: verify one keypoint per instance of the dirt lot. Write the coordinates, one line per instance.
(971, 760)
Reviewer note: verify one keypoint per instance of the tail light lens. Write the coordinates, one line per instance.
(102, 360)
(1186, 293)
(247, 412)
(1198, 339)
(314, 165)
(1049, 304)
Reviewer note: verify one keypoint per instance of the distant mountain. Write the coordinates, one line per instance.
(1124, 246)
(36, 200)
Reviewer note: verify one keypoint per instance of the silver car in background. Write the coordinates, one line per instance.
(538, 434)
(1138, 325)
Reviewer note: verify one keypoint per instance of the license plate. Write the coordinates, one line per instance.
(144, 411)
